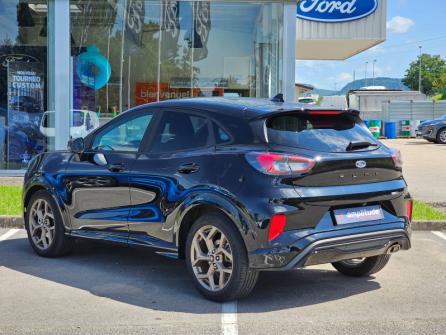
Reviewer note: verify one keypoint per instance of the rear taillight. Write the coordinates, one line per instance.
(279, 164)
(409, 209)
(277, 225)
(397, 159)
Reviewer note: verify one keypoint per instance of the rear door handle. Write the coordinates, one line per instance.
(119, 167)
(188, 168)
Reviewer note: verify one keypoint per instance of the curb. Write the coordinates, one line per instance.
(7, 221)
(10, 221)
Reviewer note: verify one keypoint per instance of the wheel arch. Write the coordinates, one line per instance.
(188, 215)
(439, 131)
(27, 195)
(39, 185)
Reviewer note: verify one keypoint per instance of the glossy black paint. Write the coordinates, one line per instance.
(150, 199)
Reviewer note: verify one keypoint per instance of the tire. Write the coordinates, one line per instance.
(367, 267)
(441, 136)
(55, 242)
(242, 279)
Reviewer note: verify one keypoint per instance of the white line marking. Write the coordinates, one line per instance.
(439, 234)
(229, 324)
(8, 234)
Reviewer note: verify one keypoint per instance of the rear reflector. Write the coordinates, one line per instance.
(397, 159)
(279, 164)
(409, 210)
(277, 225)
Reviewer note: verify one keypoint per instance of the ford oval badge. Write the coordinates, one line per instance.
(335, 10)
(361, 164)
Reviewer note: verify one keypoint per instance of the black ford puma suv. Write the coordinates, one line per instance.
(233, 186)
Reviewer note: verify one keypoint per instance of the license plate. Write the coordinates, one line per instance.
(360, 214)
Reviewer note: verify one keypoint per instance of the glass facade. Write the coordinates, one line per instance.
(23, 81)
(125, 53)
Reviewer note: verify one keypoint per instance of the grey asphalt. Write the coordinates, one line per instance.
(424, 168)
(107, 289)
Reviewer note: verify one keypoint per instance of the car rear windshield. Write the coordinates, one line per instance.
(319, 132)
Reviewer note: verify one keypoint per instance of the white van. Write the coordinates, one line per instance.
(83, 122)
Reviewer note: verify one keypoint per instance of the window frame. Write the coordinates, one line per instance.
(148, 144)
(127, 116)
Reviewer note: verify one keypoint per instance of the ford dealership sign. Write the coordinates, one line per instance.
(335, 10)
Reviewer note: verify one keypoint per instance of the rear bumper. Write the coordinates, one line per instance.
(333, 246)
(342, 248)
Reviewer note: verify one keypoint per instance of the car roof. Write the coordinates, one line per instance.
(248, 108)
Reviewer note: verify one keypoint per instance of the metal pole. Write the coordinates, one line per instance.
(121, 90)
(192, 52)
(106, 87)
(373, 72)
(365, 74)
(158, 78)
(129, 82)
(60, 70)
(419, 72)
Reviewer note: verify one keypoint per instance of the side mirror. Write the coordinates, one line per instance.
(77, 145)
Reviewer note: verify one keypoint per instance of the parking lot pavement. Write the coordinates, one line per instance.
(106, 289)
(424, 168)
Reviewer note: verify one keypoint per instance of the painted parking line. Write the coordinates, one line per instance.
(440, 234)
(229, 324)
(8, 234)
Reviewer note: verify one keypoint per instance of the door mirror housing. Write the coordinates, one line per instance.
(77, 145)
(100, 159)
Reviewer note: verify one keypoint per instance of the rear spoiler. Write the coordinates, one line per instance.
(309, 111)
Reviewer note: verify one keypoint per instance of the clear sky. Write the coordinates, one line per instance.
(410, 23)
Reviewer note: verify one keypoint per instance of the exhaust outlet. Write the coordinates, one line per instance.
(394, 249)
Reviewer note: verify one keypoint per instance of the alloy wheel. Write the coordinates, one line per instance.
(211, 258)
(41, 224)
(443, 136)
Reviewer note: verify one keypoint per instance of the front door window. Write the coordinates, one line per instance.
(124, 136)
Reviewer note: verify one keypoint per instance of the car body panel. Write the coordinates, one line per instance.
(148, 204)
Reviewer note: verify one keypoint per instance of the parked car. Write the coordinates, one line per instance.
(307, 100)
(83, 122)
(233, 186)
(433, 130)
(25, 103)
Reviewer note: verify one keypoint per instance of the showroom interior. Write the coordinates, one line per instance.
(68, 66)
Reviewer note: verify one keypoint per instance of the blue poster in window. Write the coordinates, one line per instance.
(26, 87)
(335, 11)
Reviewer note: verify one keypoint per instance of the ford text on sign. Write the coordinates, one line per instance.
(335, 11)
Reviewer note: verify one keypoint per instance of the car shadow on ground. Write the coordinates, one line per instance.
(143, 278)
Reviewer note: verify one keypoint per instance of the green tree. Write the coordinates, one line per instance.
(440, 85)
(432, 68)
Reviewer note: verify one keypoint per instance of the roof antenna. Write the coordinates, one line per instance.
(278, 98)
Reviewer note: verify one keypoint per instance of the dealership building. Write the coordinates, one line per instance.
(66, 66)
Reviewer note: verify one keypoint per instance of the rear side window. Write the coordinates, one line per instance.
(322, 132)
(180, 131)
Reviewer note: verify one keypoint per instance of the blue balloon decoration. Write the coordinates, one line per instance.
(93, 69)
